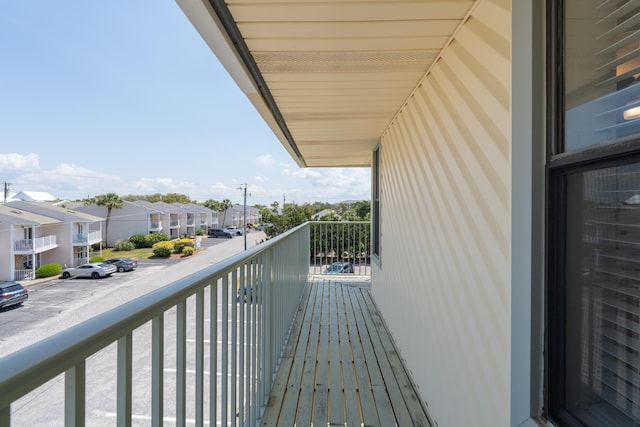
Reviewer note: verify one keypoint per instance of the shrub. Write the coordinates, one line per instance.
(139, 241)
(163, 249)
(124, 245)
(188, 242)
(200, 232)
(154, 238)
(96, 258)
(97, 246)
(48, 270)
(187, 251)
(180, 244)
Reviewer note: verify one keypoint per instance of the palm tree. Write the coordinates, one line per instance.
(110, 201)
(224, 205)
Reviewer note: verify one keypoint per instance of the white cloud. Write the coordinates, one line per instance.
(165, 185)
(67, 181)
(265, 161)
(19, 162)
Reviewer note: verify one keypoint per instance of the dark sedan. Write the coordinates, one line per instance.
(12, 293)
(123, 264)
(218, 232)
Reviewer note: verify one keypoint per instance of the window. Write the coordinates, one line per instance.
(375, 215)
(593, 293)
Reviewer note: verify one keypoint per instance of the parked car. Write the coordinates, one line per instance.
(234, 231)
(123, 264)
(92, 269)
(218, 232)
(246, 296)
(12, 293)
(339, 268)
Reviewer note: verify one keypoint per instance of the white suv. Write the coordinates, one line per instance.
(234, 231)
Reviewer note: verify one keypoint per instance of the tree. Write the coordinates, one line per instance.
(110, 201)
(176, 198)
(363, 209)
(214, 205)
(224, 205)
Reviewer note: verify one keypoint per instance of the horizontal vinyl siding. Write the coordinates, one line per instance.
(445, 225)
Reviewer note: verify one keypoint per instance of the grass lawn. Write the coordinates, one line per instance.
(136, 253)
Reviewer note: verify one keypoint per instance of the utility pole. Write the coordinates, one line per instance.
(6, 191)
(243, 187)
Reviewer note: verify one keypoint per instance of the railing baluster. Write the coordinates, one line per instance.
(254, 343)
(157, 370)
(225, 348)
(199, 358)
(74, 395)
(241, 343)
(125, 344)
(264, 324)
(249, 340)
(234, 344)
(213, 354)
(181, 363)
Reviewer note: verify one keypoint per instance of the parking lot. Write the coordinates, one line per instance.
(56, 304)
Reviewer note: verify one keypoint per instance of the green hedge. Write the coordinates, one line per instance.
(163, 249)
(48, 270)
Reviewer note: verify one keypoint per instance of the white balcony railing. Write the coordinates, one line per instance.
(94, 237)
(38, 244)
(243, 346)
(23, 275)
(254, 297)
(342, 242)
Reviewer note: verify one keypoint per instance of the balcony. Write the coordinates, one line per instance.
(89, 238)
(290, 345)
(39, 244)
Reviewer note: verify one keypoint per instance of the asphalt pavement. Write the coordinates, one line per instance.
(55, 304)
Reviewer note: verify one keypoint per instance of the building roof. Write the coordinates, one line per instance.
(329, 77)
(12, 215)
(33, 196)
(58, 212)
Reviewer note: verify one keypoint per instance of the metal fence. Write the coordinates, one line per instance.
(224, 370)
(223, 379)
(340, 242)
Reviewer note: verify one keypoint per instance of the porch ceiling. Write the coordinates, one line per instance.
(327, 76)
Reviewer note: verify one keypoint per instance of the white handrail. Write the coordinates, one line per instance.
(252, 270)
(259, 292)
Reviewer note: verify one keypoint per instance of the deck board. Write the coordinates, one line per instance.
(340, 366)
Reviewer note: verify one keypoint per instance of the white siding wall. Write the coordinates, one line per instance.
(444, 282)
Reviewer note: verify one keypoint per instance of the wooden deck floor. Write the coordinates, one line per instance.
(340, 366)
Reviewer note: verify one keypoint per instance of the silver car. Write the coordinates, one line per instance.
(94, 270)
(12, 293)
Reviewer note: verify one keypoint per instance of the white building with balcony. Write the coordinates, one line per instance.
(27, 241)
(79, 230)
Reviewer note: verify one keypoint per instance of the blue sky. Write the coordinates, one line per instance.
(124, 96)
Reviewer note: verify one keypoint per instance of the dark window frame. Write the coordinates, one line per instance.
(375, 205)
(559, 166)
